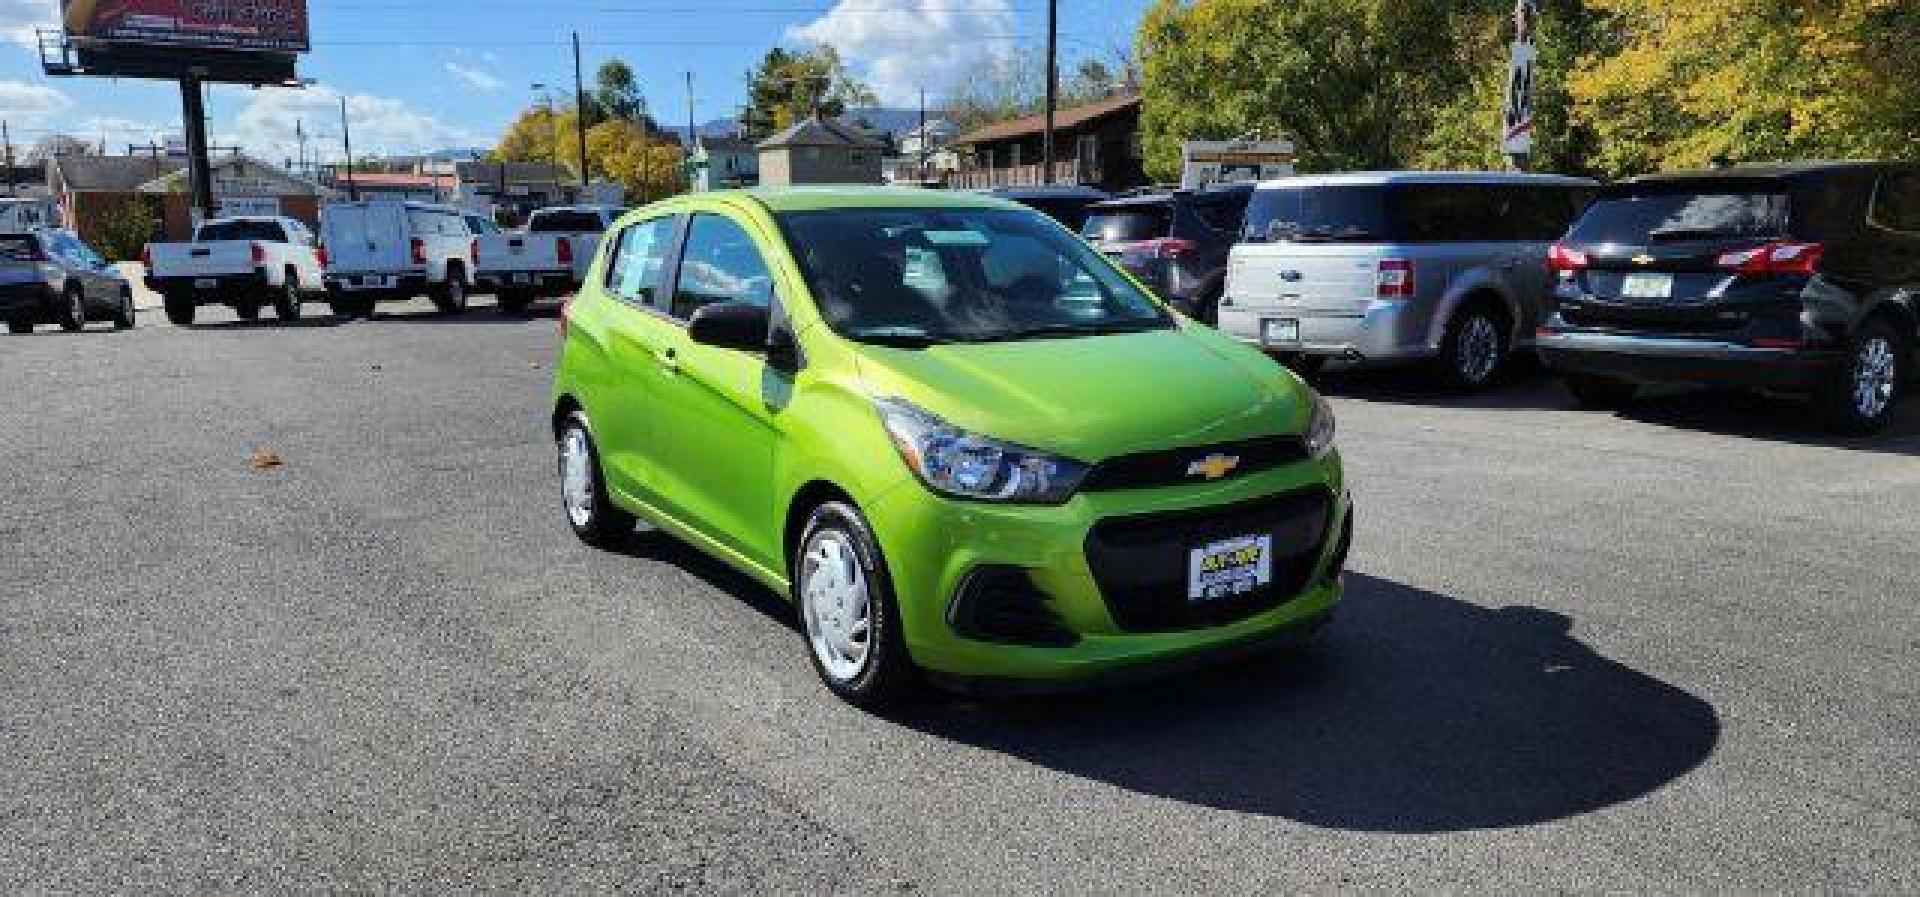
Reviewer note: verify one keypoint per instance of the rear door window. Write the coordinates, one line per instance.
(1450, 213)
(1896, 205)
(1640, 218)
(1131, 224)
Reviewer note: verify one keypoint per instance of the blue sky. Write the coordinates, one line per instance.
(442, 73)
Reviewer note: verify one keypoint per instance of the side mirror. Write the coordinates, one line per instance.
(731, 325)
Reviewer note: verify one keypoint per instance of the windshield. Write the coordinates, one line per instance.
(1129, 225)
(1678, 217)
(918, 277)
(268, 231)
(565, 221)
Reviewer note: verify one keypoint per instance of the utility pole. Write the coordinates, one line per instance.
(300, 134)
(6, 138)
(346, 138)
(580, 110)
(1053, 85)
(922, 139)
(693, 139)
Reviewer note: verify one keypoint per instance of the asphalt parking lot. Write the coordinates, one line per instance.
(1669, 649)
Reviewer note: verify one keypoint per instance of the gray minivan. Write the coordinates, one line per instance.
(1441, 267)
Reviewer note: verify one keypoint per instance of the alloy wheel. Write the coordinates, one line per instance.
(1876, 372)
(576, 476)
(1479, 349)
(836, 605)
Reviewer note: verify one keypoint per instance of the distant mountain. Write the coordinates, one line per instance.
(894, 121)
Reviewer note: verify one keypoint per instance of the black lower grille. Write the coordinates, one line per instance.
(1141, 562)
(1169, 467)
(1001, 604)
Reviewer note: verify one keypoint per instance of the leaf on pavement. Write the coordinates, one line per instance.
(265, 459)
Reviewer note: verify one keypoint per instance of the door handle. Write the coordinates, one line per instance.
(669, 361)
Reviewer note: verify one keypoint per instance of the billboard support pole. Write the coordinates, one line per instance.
(346, 139)
(199, 168)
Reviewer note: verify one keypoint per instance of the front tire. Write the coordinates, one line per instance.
(592, 516)
(73, 312)
(849, 618)
(123, 317)
(1473, 354)
(1600, 392)
(1861, 398)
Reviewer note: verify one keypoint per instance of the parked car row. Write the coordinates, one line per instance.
(48, 276)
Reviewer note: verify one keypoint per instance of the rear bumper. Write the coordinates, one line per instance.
(1385, 332)
(210, 285)
(371, 283)
(544, 283)
(1657, 359)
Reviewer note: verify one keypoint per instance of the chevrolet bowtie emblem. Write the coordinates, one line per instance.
(1213, 467)
(1643, 260)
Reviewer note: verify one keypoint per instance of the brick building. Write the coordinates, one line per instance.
(90, 189)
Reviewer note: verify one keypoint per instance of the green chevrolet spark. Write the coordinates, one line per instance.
(962, 442)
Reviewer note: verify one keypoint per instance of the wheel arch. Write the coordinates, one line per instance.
(810, 495)
(564, 407)
(1468, 295)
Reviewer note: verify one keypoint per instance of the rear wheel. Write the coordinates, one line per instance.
(350, 307)
(513, 302)
(19, 327)
(451, 297)
(849, 618)
(594, 518)
(73, 310)
(1861, 398)
(180, 310)
(247, 310)
(1600, 392)
(286, 305)
(1474, 351)
(123, 315)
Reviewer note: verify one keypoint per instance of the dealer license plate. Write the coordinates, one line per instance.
(1229, 567)
(205, 283)
(1279, 330)
(1647, 286)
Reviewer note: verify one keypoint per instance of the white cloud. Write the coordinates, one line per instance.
(474, 77)
(380, 125)
(903, 46)
(20, 18)
(23, 100)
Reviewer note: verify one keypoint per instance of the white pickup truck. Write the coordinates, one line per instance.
(549, 257)
(385, 249)
(243, 262)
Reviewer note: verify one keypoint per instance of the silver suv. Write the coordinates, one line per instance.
(1443, 267)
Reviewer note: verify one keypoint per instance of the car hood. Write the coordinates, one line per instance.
(1095, 397)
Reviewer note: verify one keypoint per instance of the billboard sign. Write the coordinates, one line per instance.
(244, 25)
(1516, 122)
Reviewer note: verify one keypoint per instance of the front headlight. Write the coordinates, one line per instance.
(1320, 427)
(954, 462)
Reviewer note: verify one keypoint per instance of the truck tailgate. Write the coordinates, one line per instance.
(501, 253)
(221, 257)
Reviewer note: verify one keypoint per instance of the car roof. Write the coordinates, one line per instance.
(825, 198)
(1381, 178)
(1064, 192)
(1769, 171)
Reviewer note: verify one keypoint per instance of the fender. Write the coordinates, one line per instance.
(1475, 281)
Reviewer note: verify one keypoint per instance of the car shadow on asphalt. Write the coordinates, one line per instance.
(649, 544)
(1416, 713)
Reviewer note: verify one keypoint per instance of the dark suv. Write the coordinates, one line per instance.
(1176, 242)
(1797, 278)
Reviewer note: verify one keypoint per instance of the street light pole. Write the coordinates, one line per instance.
(346, 138)
(580, 111)
(1053, 85)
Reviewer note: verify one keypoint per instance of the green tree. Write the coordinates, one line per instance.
(788, 84)
(616, 93)
(124, 230)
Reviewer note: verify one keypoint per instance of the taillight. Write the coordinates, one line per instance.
(258, 252)
(321, 257)
(1395, 279)
(1564, 259)
(1801, 259)
(419, 248)
(563, 249)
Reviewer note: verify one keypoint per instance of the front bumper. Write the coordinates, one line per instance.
(1659, 359)
(1387, 331)
(933, 544)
